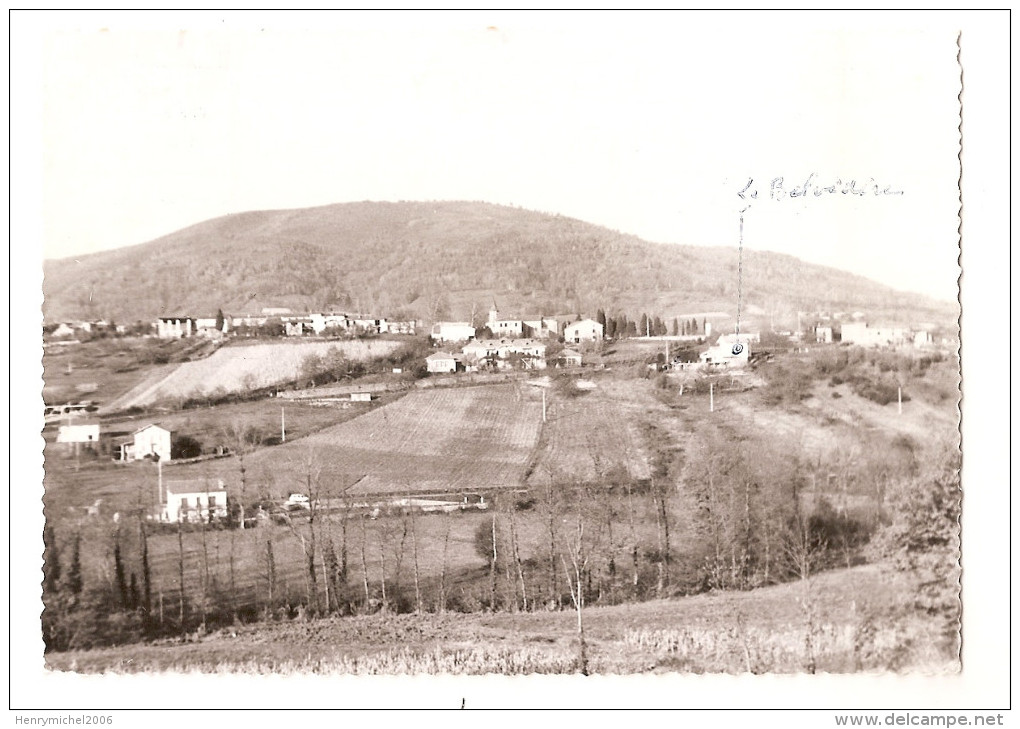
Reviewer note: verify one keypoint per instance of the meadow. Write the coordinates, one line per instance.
(245, 367)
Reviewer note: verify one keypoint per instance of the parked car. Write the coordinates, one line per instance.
(297, 501)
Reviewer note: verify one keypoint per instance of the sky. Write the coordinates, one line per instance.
(647, 124)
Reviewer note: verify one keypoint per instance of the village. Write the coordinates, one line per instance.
(501, 346)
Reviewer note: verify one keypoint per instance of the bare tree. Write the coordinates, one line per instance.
(442, 574)
(242, 438)
(414, 546)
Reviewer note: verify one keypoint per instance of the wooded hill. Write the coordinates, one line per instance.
(448, 260)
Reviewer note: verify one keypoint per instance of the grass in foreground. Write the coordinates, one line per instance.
(860, 619)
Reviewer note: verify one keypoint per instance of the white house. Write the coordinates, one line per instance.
(63, 330)
(175, 327)
(87, 433)
(502, 352)
(452, 331)
(149, 441)
(823, 334)
(194, 501)
(860, 333)
(570, 358)
(206, 326)
(504, 327)
(731, 350)
(586, 330)
(442, 362)
(322, 322)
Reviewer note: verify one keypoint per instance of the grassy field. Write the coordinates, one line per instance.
(246, 367)
(592, 433)
(74, 483)
(440, 440)
(105, 369)
(841, 621)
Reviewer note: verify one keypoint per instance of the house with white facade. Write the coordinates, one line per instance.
(506, 353)
(504, 327)
(569, 358)
(175, 327)
(731, 350)
(442, 362)
(63, 330)
(87, 433)
(194, 501)
(152, 441)
(452, 331)
(586, 330)
(861, 334)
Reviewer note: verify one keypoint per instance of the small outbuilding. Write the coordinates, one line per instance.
(442, 362)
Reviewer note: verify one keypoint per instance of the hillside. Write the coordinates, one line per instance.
(446, 259)
(830, 623)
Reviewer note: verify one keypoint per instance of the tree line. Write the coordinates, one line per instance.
(619, 326)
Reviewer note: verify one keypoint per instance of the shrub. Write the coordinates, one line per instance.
(184, 446)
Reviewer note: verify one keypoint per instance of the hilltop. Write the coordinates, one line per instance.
(446, 259)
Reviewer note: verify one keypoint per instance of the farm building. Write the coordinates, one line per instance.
(194, 501)
(175, 327)
(923, 339)
(586, 330)
(79, 433)
(402, 327)
(372, 326)
(860, 333)
(504, 327)
(322, 322)
(823, 334)
(504, 353)
(731, 350)
(569, 358)
(452, 331)
(442, 362)
(297, 326)
(361, 397)
(147, 442)
(541, 327)
(63, 330)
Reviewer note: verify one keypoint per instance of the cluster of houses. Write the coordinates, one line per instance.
(515, 343)
(293, 325)
(70, 329)
(861, 334)
(150, 442)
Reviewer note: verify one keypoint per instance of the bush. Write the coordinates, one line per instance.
(184, 446)
(881, 392)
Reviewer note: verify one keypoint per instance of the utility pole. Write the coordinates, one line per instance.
(711, 397)
(283, 426)
(543, 406)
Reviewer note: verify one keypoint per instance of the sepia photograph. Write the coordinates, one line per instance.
(525, 346)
